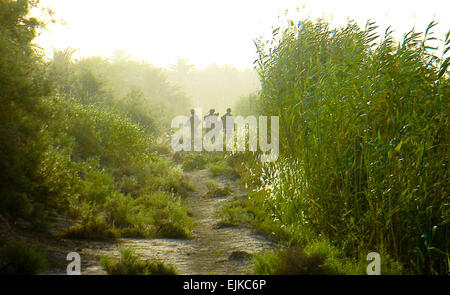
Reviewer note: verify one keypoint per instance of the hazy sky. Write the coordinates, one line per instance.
(207, 31)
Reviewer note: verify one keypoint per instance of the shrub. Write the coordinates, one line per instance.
(216, 191)
(154, 214)
(19, 258)
(194, 161)
(129, 264)
(221, 168)
(93, 229)
(170, 230)
(171, 219)
(250, 210)
(291, 261)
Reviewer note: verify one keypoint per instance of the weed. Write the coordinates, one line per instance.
(216, 191)
(221, 168)
(93, 229)
(129, 264)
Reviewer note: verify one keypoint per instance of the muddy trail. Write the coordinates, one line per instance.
(211, 250)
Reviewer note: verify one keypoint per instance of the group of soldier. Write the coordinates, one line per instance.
(211, 121)
(213, 117)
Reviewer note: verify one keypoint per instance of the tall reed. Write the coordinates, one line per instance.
(363, 136)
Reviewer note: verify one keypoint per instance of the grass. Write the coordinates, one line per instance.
(153, 215)
(249, 210)
(198, 160)
(318, 258)
(129, 264)
(221, 168)
(290, 261)
(20, 258)
(215, 190)
(301, 247)
(192, 161)
(93, 229)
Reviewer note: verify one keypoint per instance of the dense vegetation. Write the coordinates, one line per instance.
(18, 258)
(363, 140)
(80, 140)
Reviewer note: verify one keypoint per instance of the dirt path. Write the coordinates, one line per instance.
(212, 250)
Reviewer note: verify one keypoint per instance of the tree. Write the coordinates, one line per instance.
(22, 85)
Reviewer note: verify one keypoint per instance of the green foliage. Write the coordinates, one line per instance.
(22, 141)
(83, 147)
(95, 228)
(200, 160)
(194, 161)
(215, 190)
(112, 176)
(291, 261)
(363, 138)
(251, 210)
(98, 131)
(164, 212)
(221, 168)
(318, 257)
(20, 258)
(157, 214)
(129, 264)
(137, 90)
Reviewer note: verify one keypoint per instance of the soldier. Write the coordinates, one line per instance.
(212, 115)
(227, 117)
(194, 121)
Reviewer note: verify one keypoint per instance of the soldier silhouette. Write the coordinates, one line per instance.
(213, 117)
(227, 117)
(194, 121)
